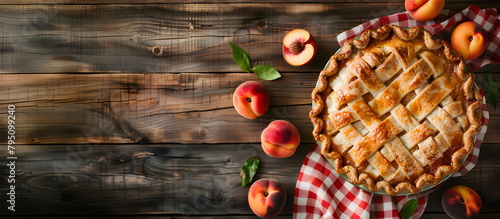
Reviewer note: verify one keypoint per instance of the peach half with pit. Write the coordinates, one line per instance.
(299, 47)
(280, 139)
(267, 197)
(250, 99)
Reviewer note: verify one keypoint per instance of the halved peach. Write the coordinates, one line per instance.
(299, 47)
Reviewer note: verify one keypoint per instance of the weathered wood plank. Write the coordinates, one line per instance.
(158, 108)
(103, 2)
(492, 134)
(175, 179)
(284, 216)
(141, 179)
(194, 37)
(155, 108)
(58, 115)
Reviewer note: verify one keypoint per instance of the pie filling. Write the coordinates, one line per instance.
(395, 110)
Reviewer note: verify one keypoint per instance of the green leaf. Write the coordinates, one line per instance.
(490, 87)
(241, 58)
(248, 170)
(408, 209)
(266, 72)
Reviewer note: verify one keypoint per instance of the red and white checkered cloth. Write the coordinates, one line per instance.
(443, 25)
(321, 193)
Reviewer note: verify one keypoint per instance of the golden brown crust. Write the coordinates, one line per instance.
(352, 160)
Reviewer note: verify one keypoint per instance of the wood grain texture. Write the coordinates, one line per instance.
(194, 37)
(142, 179)
(103, 2)
(492, 134)
(155, 108)
(176, 179)
(104, 127)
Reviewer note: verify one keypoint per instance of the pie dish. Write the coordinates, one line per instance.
(395, 111)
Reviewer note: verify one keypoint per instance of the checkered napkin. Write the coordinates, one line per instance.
(321, 193)
(442, 26)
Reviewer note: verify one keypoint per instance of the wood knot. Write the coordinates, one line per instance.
(157, 51)
(134, 88)
(261, 24)
(202, 132)
(34, 140)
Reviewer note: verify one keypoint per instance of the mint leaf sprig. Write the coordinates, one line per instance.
(242, 59)
(490, 87)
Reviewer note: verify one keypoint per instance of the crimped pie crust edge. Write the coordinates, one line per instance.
(473, 112)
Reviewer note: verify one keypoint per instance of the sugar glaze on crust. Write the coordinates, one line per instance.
(395, 110)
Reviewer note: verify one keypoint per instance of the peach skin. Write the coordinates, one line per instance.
(280, 139)
(267, 197)
(469, 40)
(299, 47)
(250, 99)
(461, 202)
(424, 10)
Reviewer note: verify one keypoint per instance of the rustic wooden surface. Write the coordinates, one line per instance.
(104, 127)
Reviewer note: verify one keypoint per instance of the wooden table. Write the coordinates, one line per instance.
(104, 127)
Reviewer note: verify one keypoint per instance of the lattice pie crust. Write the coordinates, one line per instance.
(395, 110)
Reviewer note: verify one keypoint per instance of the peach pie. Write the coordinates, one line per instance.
(396, 111)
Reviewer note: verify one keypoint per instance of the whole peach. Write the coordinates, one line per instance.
(280, 139)
(424, 10)
(461, 202)
(266, 197)
(469, 40)
(250, 99)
